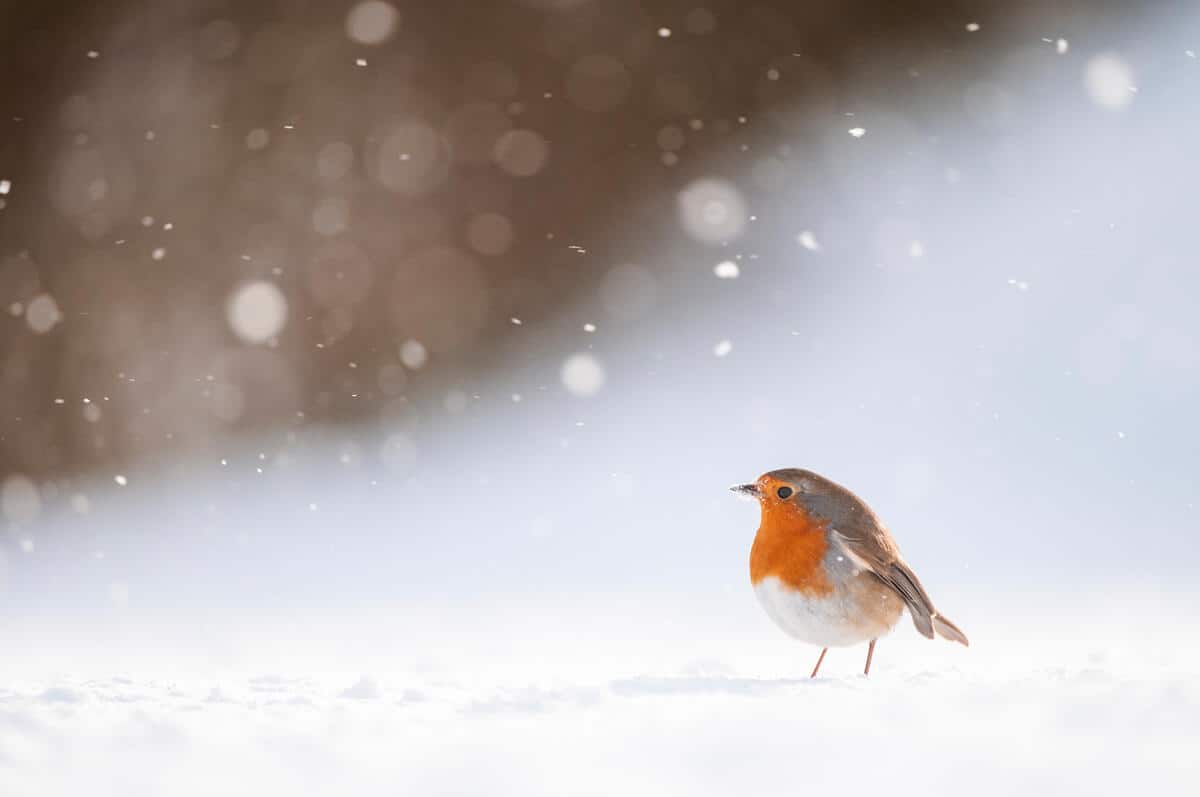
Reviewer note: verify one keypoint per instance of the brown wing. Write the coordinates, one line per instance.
(872, 547)
(868, 543)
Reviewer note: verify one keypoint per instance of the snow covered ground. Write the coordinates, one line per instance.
(610, 699)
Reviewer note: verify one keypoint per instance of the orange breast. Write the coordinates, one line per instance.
(790, 546)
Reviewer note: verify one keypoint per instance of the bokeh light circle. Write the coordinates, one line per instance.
(257, 311)
(257, 139)
(582, 374)
(712, 211)
(372, 22)
(490, 233)
(413, 354)
(42, 314)
(410, 159)
(1109, 81)
(521, 153)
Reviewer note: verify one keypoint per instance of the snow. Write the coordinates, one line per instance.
(257, 310)
(1109, 81)
(726, 270)
(527, 700)
(712, 211)
(372, 22)
(808, 240)
(43, 314)
(582, 374)
(413, 354)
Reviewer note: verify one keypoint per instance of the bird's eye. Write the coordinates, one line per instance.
(784, 493)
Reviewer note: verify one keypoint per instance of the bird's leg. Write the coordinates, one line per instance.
(821, 659)
(870, 653)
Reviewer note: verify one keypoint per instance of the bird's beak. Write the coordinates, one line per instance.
(749, 490)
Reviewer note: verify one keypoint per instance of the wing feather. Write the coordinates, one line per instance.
(869, 544)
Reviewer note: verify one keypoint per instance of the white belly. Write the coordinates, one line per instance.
(834, 621)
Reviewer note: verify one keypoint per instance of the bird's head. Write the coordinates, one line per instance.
(797, 490)
(777, 487)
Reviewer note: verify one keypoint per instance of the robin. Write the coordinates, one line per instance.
(826, 569)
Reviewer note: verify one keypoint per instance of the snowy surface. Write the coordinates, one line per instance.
(523, 700)
(917, 734)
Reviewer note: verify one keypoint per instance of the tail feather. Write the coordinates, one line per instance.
(949, 630)
(908, 587)
(922, 620)
(929, 623)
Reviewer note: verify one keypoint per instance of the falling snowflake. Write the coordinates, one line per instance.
(808, 240)
(727, 270)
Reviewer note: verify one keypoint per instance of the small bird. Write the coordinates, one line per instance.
(826, 570)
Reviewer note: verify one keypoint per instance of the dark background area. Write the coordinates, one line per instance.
(162, 154)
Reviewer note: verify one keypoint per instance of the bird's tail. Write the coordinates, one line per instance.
(902, 579)
(949, 630)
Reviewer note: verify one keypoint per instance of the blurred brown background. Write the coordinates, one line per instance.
(226, 215)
